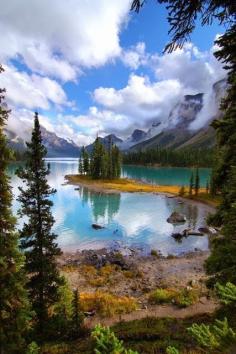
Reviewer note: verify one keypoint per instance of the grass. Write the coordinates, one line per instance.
(181, 298)
(107, 304)
(131, 185)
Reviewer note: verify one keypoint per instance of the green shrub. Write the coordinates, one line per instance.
(181, 298)
(161, 296)
(33, 348)
(217, 336)
(172, 350)
(227, 293)
(107, 343)
(154, 253)
(185, 297)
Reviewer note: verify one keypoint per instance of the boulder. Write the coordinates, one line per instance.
(176, 218)
(208, 230)
(97, 227)
(193, 233)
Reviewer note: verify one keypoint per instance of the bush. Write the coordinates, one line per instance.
(226, 293)
(161, 296)
(172, 350)
(107, 343)
(217, 336)
(186, 297)
(107, 304)
(181, 298)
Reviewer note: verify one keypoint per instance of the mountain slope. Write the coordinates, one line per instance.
(56, 146)
(105, 141)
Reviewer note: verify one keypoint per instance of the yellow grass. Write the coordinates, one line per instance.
(122, 184)
(107, 304)
(131, 185)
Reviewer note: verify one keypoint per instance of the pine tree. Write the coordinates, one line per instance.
(207, 187)
(97, 160)
(77, 316)
(191, 185)
(197, 182)
(86, 162)
(81, 166)
(14, 307)
(116, 162)
(37, 239)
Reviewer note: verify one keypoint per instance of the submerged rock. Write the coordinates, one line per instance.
(97, 227)
(176, 218)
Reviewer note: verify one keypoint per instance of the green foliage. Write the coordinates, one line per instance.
(227, 293)
(191, 185)
(77, 314)
(14, 306)
(185, 297)
(160, 296)
(217, 336)
(197, 182)
(181, 298)
(105, 163)
(37, 239)
(171, 157)
(107, 343)
(33, 348)
(172, 350)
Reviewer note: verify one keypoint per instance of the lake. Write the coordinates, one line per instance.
(130, 220)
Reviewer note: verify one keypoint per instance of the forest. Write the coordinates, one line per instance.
(170, 157)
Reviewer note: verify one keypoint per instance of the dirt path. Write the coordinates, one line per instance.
(158, 311)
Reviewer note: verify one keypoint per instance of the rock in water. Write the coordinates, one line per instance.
(176, 218)
(97, 227)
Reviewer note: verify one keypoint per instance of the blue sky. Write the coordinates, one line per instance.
(99, 69)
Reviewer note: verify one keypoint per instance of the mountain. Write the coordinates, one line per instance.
(105, 141)
(184, 126)
(56, 146)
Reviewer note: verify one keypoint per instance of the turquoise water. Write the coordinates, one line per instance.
(166, 175)
(130, 219)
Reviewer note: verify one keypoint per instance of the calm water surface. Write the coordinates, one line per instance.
(130, 219)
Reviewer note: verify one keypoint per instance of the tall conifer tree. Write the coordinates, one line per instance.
(37, 238)
(197, 182)
(14, 309)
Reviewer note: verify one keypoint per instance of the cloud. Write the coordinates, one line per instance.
(135, 56)
(141, 101)
(197, 71)
(58, 37)
(31, 91)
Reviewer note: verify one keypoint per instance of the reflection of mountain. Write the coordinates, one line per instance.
(103, 205)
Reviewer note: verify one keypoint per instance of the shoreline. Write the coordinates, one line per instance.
(133, 186)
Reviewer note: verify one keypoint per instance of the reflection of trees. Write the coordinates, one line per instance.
(192, 216)
(103, 205)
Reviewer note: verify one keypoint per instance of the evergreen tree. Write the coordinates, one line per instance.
(97, 160)
(110, 165)
(37, 239)
(77, 316)
(81, 166)
(197, 182)
(86, 162)
(191, 185)
(14, 307)
(207, 187)
(116, 162)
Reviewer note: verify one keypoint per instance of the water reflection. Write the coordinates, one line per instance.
(130, 219)
(104, 206)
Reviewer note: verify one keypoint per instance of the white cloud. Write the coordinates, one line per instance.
(196, 70)
(56, 37)
(31, 91)
(135, 56)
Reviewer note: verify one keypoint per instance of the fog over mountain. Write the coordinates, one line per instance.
(185, 119)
